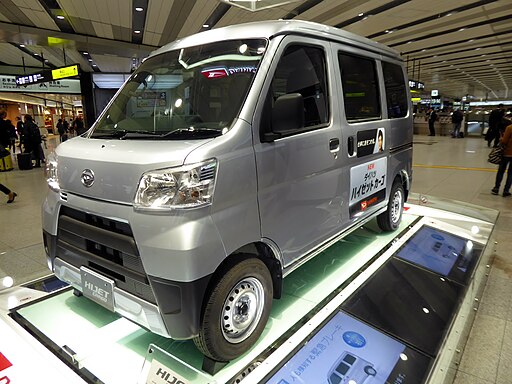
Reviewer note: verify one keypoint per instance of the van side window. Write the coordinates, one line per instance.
(360, 87)
(396, 95)
(302, 69)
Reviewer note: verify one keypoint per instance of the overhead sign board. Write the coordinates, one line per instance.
(8, 84)
(413, 84)
(46, 76)
(34, 78)
(62, 73)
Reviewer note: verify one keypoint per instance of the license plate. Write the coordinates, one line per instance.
(98, 288)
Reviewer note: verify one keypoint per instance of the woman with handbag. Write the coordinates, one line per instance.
(506, 161)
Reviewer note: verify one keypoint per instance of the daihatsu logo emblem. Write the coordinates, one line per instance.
(87, 177)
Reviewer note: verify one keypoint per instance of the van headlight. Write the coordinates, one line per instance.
(188, 186)
(52, 176)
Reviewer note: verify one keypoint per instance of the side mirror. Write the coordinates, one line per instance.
(288, 113)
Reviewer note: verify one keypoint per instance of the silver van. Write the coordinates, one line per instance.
(227, 160)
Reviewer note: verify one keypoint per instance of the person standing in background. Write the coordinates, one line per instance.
(432, 118)
(493, 133)
(506, 161)
(62, 130)
(20, 128)
(5, 139)
(12, 136)
(33, 140)
(79, 126)
(457, 118)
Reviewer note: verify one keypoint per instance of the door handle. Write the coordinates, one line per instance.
(334, 145)
(350, 146)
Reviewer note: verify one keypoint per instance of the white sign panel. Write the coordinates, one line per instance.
(367, 185)
(8, 84)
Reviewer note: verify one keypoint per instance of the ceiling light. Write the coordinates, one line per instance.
(85, 53)
(94, 65)
(462, 29)
(360, 14)
(60, 17)
(469, 41)
(22, 45)
(423, 50)
(90, 59)
(206, 26)
(139, 9)
(136, 31)
(448, 14)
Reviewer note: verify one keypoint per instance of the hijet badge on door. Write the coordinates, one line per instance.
(367, 185)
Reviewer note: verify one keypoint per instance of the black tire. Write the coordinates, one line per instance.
(370, 371)
(77, 293)
(390, 220)
(228, 331)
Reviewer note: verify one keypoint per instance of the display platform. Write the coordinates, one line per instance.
(359, 310)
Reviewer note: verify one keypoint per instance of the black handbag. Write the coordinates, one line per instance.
(496, 155)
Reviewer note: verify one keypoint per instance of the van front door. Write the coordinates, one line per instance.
(299, 183)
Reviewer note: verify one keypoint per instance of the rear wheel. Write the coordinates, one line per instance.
(237, 311)
(390, 220)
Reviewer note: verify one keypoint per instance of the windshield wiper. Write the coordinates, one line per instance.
(124, 134)
(195, 133)
(108, 135)
(140, 135)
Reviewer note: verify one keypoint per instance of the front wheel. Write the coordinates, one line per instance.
(236, 312)
(369, 370)
(390, 220)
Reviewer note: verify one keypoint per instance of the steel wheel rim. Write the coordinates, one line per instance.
(396, 207)
(242, 310)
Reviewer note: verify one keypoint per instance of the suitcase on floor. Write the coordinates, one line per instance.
(24, 160)
(5, 161)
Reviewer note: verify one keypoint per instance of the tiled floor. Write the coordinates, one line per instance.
(444, 167)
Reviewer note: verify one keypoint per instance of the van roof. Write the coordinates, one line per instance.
(269, 29)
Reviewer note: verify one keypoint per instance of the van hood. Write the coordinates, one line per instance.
(116, 165)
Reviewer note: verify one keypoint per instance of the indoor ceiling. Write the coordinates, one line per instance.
(458, 47)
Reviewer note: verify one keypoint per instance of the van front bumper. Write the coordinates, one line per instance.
(177, 314)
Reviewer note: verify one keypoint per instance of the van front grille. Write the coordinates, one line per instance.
(104, 245)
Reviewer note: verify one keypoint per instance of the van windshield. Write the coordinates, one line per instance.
(190, 93)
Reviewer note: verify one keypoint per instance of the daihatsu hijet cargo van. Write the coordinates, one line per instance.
(228, 159)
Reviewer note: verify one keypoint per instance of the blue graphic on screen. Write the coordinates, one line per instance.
(354, 339)
(344, 350)
(435, 250)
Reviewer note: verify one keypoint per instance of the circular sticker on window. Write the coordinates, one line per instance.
(354, 339)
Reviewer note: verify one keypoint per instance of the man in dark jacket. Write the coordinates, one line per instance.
(493, 133)
(457, 118)
(79, 126)
(5, 137)
(33, 140)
